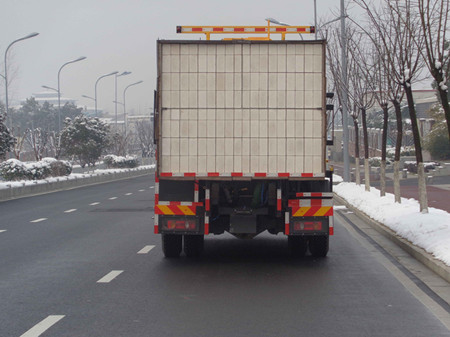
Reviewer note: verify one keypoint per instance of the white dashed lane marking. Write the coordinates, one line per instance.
(128, 193)
(2, 230)
(39, 220)
(141, 190)
(94, 203)
(146, 249)
(152, 186)
(110, 276)
(113, 198)
(70, 210)
(43, 326)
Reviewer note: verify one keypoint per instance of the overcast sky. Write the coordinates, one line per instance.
(118, 35)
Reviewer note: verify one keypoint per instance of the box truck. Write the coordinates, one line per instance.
(241, 136)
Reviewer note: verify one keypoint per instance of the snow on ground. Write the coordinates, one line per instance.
(10, 184)
(429, 231)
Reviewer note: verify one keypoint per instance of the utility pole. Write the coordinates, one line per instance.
(344, 94)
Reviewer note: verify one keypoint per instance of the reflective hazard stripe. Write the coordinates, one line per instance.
(286, 223)
(175, 210)
(242, 174)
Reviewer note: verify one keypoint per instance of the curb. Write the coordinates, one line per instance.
(65, 184)
(418, 253)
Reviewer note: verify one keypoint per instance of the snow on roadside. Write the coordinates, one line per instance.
(429, 231)
(20, 183)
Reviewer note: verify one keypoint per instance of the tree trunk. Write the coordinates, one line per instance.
(383, 150)
(423, 200)
(366, 150)
(367, 174)
(398, 146)
(357, 174)
(445, 105)
(397, 194)
(383, 178)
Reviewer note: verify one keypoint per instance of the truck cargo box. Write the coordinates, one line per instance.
(241, 108)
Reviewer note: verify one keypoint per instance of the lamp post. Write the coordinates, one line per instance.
(124, 106)
(96, 82)
(5, 77)
(344, 94)
(115, 91)
(59, 89)
(49, 88)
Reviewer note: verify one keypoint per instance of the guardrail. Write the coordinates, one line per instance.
(12, 191)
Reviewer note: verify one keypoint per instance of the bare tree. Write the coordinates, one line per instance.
(144, 130)
(362, 87)
(37, 139)
(398, 28)
(433, 21)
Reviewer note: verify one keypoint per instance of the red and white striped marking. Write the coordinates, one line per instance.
(196, 191)
(243, 29)
(242, 174)
(206, 225)
(310, 203)
(286, 223)
(278, 199)
(331, 226)
(314, 195)
(180, 203)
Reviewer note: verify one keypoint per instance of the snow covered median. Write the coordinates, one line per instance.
(429, 231)
(17, 189)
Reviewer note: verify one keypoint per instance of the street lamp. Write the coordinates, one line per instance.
(275, 21)
(59, 89)
(115, 91)
(96, 82)
(5, 77)
(85, 96)
(124, 106)
(49, 88)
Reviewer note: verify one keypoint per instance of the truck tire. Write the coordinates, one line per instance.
(171, 245)
(193, 245)
(297, 245)
(318, 246)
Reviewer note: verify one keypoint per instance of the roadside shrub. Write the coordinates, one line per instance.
(60, 168)
(112, 161)
(37, 170)
(13, 169)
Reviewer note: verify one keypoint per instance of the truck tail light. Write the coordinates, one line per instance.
(307, 226)
(180, 225)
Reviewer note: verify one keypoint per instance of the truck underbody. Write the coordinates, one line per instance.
(186, 210)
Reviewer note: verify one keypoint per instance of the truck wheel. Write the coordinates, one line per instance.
(318, 246)
(171, 245)
(193, 245)
(297, 245)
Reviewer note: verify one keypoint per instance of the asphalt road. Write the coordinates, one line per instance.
(55, 248)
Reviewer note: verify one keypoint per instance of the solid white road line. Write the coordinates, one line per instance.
(128, 193)
(94, 203)
(110, 276)
(70, 210)
(146, 249)
(39, 220)
(43, 326)
(113, 198)
(2, 230)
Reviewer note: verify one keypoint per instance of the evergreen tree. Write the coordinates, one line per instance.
(6, 139)
(85, 138)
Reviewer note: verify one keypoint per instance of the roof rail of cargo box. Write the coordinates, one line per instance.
(208, 30)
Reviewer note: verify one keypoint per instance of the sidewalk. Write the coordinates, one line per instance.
(438, 188)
